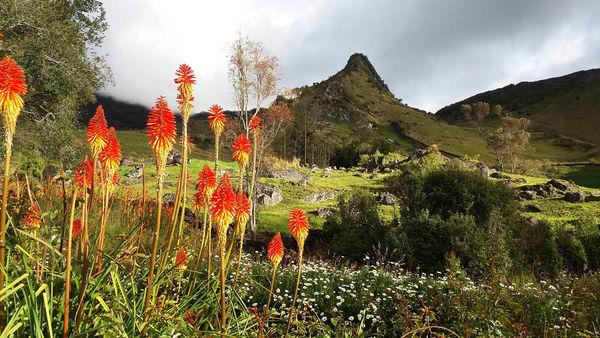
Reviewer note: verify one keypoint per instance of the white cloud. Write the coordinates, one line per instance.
(430, 53)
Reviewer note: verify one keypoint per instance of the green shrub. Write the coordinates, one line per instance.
(355, 227)
(572, 251)
(534, 248)
(346, 156)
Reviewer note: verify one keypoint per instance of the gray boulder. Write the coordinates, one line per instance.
(527, 194)
(319, 196)
(136, 172)
(324, 212)
(174, 158)
(574, 197)
(557, 185)
(499, 175)
(127, 161)
(268, 194)
(286, 174)
(387, 198)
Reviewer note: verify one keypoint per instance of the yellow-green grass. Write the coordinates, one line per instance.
(275, 218)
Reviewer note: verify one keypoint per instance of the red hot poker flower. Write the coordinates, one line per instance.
(77, 228)
(255, 124)
(161, 129)
(12, 88)
(275, 250)
(241, 149)
(182, 259)
(97, 132)
(242, 209)
(32, 218)
(110, 156)
(222, 203)
(216, 119)
(299, 226)
(185, 78)
(83, 173)
(207, 181)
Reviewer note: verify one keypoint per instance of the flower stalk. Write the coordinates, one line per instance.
(68, 268)
(162, 134)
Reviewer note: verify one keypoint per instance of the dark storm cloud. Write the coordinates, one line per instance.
(430, 53)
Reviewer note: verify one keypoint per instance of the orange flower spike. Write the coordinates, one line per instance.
(110, 156)
(185, 78)
(97, 132)
(114, 182)
(32, 218)
(255, 125)
(222, 203)
(242, 209)
(275, 250)
(83, 173)
(77, 228)
(216, 119)
(161, 130)
(299, 226)
(207, 182)
(241, 150)
(12, 90)
(182, 259)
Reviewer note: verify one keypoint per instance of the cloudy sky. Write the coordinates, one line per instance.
(430, 53)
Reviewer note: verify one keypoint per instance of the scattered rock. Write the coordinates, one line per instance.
(592, 198)
(533, 220)
(527, 194)
(419, 153)
(558, 185)
(373, 176)
(542, 190)
(174, 158)
(530, 208)
(268, 194)
(357, 174)
(483, 169)
(169, 198)
(574, 197)
(388, 198)
(136, 172)
(286, 174)
(127, 161)
(518, 180)
(326, 174)
(324, 212)
(319, 196)
(499, 175)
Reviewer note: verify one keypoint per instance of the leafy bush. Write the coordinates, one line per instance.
(355, 227)
(346, 156)
(534, 248)
(452, 191)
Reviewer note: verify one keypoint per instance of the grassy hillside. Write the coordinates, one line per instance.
(567, 105)
(355, 106)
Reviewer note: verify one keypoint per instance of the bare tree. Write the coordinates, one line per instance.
(254, 75)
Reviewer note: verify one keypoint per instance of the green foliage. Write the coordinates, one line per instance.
(355, 227)
(534, 248)
(56, 44)
(345, 156)
(30, 162)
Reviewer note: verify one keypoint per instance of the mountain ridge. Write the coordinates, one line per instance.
(567, 105)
